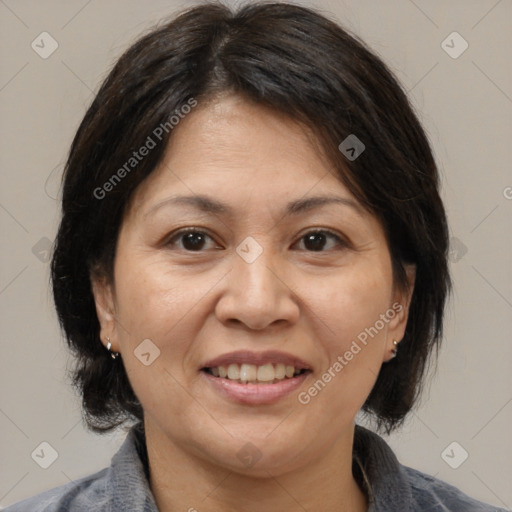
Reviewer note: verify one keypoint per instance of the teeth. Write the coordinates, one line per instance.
(280, 371)
(252, 373)
(266, 373)
(233, 372)
(248, 372)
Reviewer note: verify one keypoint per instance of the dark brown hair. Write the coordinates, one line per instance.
(304, 66)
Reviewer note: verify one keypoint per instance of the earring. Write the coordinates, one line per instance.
(395, 348)
(109, 345)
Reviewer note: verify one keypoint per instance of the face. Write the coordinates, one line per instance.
(293, 298)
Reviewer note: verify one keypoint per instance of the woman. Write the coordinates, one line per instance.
(252, 250)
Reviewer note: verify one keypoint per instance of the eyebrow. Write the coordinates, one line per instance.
(209, 205)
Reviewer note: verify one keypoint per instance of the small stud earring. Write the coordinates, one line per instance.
(395, 348)
(109, 346)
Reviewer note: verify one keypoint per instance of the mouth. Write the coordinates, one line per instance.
(255, 378)
(252, 374)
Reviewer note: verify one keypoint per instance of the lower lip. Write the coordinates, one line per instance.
(255, 394)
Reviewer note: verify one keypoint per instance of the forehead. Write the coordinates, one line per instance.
(233, 149)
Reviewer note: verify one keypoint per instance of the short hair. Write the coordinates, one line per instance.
(302, 65)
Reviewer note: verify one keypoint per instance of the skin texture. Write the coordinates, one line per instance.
(199, 304)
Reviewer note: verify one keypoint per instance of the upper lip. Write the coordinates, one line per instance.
(258, 359)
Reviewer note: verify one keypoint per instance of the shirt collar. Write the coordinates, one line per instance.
(130, 474)
(380, 474)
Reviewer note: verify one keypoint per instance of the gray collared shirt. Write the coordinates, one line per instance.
(124, 486)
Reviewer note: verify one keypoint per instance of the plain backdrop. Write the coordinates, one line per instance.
(465, 103)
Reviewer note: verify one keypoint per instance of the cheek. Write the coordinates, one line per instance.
(352, 337)
(157, 305)
(152, 299)
(168, 306)
(351, 301)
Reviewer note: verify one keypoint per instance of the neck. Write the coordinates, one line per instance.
(182, 481)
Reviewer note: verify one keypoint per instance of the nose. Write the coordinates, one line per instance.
(257, 294)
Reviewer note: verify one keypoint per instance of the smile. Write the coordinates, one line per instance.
(255, 378)
(253, 374)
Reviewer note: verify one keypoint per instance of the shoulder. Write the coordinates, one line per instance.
(433, 494)
(392, 486)
(90, 494)
(122, 486)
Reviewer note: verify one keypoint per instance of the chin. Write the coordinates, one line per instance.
(258, 455)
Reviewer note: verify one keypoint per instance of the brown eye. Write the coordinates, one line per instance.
(191, 239)
(316, 241)
(194, 240)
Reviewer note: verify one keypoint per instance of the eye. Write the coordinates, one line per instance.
(192, 239)
(316, 240)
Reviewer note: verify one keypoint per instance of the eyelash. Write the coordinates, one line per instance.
(340, 241)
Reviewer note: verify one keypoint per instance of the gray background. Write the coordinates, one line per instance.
(465, 104)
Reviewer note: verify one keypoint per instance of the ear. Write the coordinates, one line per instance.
(105, 309)
(400, 306)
